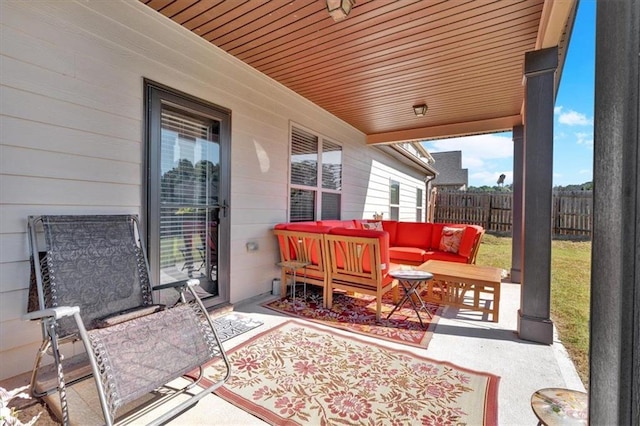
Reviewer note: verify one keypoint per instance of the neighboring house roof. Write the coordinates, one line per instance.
(450, 171)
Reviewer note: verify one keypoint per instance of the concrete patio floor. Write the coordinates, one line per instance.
(461, 337)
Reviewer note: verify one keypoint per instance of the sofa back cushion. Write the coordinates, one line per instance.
(470, 240)
(436, 235)
(414, 234)
(391, 226)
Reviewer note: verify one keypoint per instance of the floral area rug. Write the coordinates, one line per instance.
(357, 313)
(296, 374)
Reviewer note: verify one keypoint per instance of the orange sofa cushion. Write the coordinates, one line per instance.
(436, 235)
(468, 239)
(442, 255)
(410, 254)
(413, 234)
(391, 226)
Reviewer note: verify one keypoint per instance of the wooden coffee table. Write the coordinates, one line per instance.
(460, 285)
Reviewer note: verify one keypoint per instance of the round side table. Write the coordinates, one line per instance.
(410, 281)
(558, 406)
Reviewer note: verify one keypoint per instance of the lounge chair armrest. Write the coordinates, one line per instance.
(190, 283)
(57, 313)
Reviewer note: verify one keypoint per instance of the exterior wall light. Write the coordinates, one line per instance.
(420, 110)
(339, 9)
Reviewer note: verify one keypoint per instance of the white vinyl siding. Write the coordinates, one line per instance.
(370, 172)
(71, 114)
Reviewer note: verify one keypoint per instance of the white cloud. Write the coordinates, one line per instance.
(585, 138)
(486, 156)
(557, 110)
(573, 118)
(475, 149)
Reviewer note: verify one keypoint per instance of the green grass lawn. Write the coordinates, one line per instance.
(570, 290)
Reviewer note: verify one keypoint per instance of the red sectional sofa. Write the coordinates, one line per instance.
(376, 251)
(413, 243)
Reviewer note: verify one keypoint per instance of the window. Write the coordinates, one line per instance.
(316, 177)
(394, 200)
(419, 205)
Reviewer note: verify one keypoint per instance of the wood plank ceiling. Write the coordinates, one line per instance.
(463, 58)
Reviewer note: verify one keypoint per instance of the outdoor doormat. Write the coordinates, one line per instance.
(298, 374)
(232, 325)
(357, 313)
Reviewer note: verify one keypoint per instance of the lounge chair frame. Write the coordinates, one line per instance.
(185, 328)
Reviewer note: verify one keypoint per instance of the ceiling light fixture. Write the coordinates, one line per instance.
(339, 9)
(420, 110)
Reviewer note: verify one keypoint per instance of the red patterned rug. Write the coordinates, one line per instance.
(299, 374)
(357, 313)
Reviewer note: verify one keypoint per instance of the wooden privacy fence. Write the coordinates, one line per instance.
(571, 211)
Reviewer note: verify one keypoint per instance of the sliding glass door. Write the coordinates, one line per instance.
(188, 191)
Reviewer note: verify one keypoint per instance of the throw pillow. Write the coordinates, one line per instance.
(376, 226)
(450, 240)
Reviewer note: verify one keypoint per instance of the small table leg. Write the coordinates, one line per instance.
(293, 288)
(293, 266)
(410, 288)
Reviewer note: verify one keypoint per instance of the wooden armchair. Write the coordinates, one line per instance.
(358, 261)
(303, 242)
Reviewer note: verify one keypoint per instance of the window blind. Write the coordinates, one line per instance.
(304, 158)
(331, 165)
(302, 205)
(188, 185)
(330, 206)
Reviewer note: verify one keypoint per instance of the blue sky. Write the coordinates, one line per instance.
(488, 156)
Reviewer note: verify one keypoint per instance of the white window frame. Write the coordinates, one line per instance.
(419, 205)
(318, 189)
(391, 204)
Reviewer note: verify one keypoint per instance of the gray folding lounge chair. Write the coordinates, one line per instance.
(92, 284)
